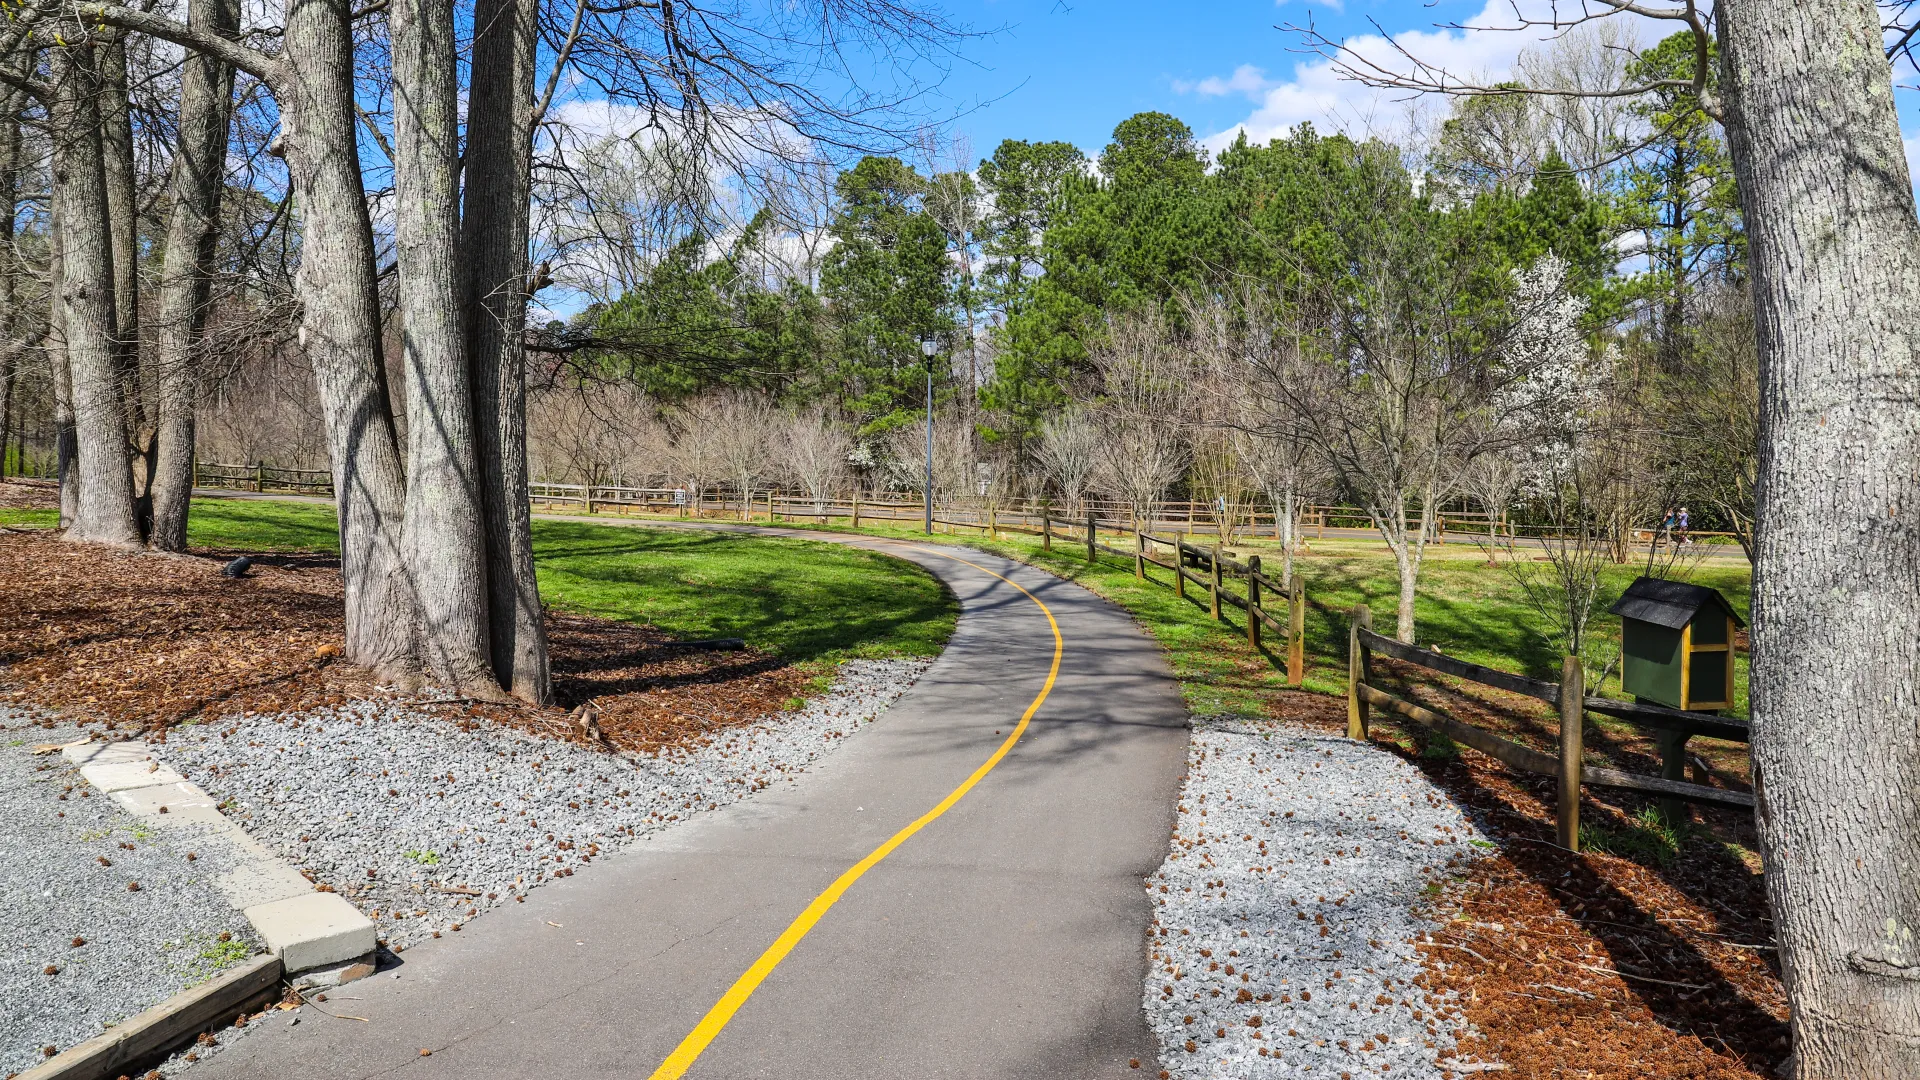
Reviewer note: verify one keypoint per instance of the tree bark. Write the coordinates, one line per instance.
(1835, 256)
(66, 446)
(11, 102)
(84, 293)
(199, 175)
(123, 232)
(494, 241)
(340, 333)
(444, 534)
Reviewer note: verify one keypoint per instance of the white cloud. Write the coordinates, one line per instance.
(1246, 79)
(1319, 95)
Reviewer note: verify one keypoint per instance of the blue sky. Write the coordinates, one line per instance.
(1072, 69)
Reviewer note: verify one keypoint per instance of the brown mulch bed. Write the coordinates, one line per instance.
(145, 642)
(1589, 965)
(29, 495)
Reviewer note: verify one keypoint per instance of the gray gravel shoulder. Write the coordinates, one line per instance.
(423, 826)
(1286, 908)
(70, 859)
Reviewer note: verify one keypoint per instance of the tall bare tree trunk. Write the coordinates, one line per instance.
(84, 294)
(1835, 256)
(340, 332)
(199, 175)
(444, 534)
(8, 377)
(11, 322)
(494, 244)
(123, 231)
(66, 453)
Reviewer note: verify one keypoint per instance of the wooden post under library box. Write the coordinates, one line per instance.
(1676, 644)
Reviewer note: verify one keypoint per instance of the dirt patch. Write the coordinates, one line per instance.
(1655, 967)
(146, 642)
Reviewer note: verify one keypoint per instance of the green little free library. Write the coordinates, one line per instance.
(1676, 644)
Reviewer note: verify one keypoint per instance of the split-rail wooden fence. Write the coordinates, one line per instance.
(1672, 727)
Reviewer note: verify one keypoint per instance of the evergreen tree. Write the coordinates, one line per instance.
(1679, 192)
(1143, 232)
(887, 287)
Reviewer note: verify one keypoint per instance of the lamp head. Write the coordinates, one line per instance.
(929, 347)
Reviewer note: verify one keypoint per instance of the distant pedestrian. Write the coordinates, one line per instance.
(1681, 527)
(1665, 534)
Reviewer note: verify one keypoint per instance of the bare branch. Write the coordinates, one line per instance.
(1423, 77)
(252, 61)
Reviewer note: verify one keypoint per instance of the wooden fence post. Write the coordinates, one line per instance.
(769, 506)
(1090, 536)
(1673, 766)
(259, 476)
(1357, 672)
(1253, 601)
(993, 524)
(1573, 697)
(1139, 555)
(1179, 567)
(1296, 631)
(856, 507)
(1214, 590)
(1046, 528)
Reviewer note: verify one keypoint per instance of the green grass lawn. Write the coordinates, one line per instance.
(260, 525)
(813, 601)
(35, 519)
(1471, 610)
(803, 600)
(807, 602)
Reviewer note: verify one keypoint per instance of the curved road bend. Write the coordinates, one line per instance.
(1004, 939)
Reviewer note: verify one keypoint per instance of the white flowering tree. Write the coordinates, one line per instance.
(1549, 438)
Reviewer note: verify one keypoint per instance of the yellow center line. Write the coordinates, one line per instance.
(715, 1021)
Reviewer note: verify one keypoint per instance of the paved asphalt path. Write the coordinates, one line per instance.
(1005, 939)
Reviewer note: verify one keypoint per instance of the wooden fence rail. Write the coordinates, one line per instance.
(1211, 569)
(991, 516)
(1673, 727)
(261, 477)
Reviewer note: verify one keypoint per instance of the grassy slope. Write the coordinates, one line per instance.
(805, 601)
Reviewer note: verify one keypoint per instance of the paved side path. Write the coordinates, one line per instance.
(1006, 939)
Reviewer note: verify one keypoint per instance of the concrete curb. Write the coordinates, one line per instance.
(167, 1024)
(304, 927)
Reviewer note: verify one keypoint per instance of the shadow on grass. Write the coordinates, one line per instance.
(798, 600)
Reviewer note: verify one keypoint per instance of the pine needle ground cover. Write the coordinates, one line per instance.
(149, 641)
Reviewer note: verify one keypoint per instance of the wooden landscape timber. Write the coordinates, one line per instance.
(1569, 695)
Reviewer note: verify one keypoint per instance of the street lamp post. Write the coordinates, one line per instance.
(929, 348)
